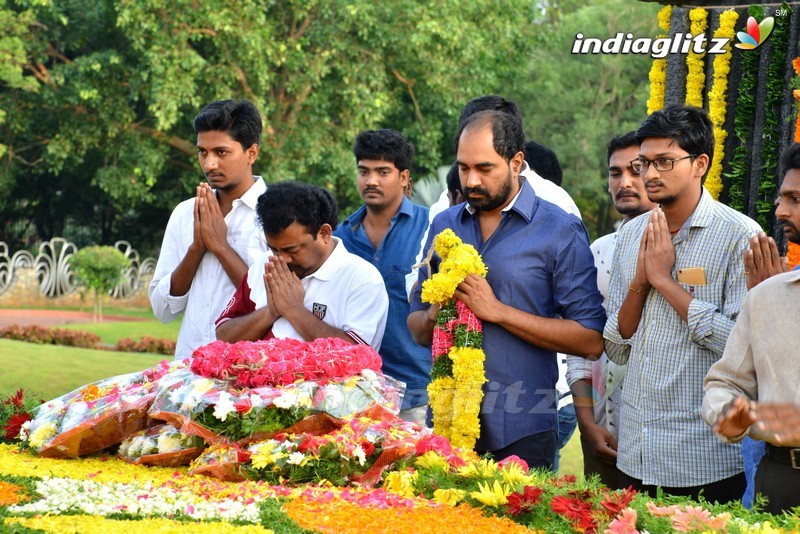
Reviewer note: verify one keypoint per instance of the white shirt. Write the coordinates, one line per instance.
(347, 291)
(606, 376)
(545, 189)
(211, 288)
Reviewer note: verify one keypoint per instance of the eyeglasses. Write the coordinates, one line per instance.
(661, 164)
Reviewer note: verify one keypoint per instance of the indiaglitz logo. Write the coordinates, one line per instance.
(757, 33)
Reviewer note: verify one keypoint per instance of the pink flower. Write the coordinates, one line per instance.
(514, 459)
(625, 523)
(695, 518)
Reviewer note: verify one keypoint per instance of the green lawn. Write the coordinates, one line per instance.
(111, 332)
(51, 371)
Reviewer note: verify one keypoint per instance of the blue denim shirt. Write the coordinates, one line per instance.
(539, 262)
(402, 358)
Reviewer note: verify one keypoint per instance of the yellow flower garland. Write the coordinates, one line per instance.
(717, 97)
(695, 63)
(658, 72)
(456, 400)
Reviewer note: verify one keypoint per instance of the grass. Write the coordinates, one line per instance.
(51, 371)
(111, 332)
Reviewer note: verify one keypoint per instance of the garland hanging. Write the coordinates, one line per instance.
(695, 63)
(770, 149)
(658, 72)
(742, 123)
(717, 98)
(793, 255)
(457, 374)
(796, 94)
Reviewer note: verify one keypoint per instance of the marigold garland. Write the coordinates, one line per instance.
(658, 72)
(457, 375)
(793, 255)
(695, 63)
(796, 94)
(717, 100)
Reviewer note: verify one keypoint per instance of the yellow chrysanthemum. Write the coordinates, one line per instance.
(482, 468)
(401, 483)
(491, 495)
(450, 496)
(431, 460)
(695, 63)
(42, 435)
(459, 260)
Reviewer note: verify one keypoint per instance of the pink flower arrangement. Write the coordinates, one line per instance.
(280, 362)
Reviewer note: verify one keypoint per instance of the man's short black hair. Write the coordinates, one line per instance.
(688, 126)
(544, 162)
(506, 131)
(287, 202)
(621, 142)
(790, 158)
(238, 118)
(486, 103)
(454, 182)
(387, 145)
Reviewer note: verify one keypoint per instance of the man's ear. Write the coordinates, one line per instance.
(517, 161)
(252, 153)
(701, 164)
(325, 232)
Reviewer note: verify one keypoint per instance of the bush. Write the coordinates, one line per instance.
(54, 336)
(146, 344)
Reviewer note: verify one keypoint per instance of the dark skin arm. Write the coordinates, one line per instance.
(601, 441)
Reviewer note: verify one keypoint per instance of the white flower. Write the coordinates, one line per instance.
(24, 431)
(296, 458)
(168, 443)
(224, 406)
(288, 399)
(360, 454)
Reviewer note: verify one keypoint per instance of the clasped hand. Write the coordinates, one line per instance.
(285, 292)
(656, 253)
(210, 230)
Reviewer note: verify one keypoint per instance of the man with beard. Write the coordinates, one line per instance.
(539, 296)
(756, 379)
(597, 386)
(385, 231)
(310, 286)
(676, 288)
(212, 239)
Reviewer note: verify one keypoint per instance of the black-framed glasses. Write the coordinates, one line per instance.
(661, 164)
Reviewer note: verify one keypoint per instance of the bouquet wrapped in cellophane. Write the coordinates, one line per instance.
(96, 416)
(160, 445)
(355, 453)
(252, 390)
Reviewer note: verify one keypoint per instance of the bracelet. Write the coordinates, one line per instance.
(637, 290)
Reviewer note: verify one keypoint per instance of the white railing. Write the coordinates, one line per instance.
(54, 273)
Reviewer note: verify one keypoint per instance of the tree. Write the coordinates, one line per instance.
(99, 268)
(576, 103)
(105, 142)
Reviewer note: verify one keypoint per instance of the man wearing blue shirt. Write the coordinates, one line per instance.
(539, 267)
(385, 231)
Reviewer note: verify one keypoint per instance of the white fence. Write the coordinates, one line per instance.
(53, 275)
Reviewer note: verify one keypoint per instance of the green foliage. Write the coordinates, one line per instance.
(99, 267)
(576, 103)
(442, 367)
(273, 518)
(262, 420)
(106, 143)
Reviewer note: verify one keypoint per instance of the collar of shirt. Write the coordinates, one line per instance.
(331, 265)
(701, 217)
(250, 197)
(523, 202)
(406, 209)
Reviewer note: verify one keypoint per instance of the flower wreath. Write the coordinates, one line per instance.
(457, 374)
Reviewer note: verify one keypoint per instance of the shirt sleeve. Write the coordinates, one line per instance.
(367, 311)
(167, 307)
(709, 326)
(240, 304)
(578, 369)
(575, 281)
(733, 375)
(618, 349)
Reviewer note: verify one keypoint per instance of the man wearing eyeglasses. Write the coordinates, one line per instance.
(676, 288)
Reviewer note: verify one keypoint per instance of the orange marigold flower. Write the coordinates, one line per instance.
(796, 65)
(11, 494)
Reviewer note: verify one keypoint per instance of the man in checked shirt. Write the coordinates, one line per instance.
(676, 287)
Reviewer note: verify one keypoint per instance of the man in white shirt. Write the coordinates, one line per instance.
(211, 239)
(309, 286)
(596, 385)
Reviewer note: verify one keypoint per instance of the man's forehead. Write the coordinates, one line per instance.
(215, 139)
(376, 164)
